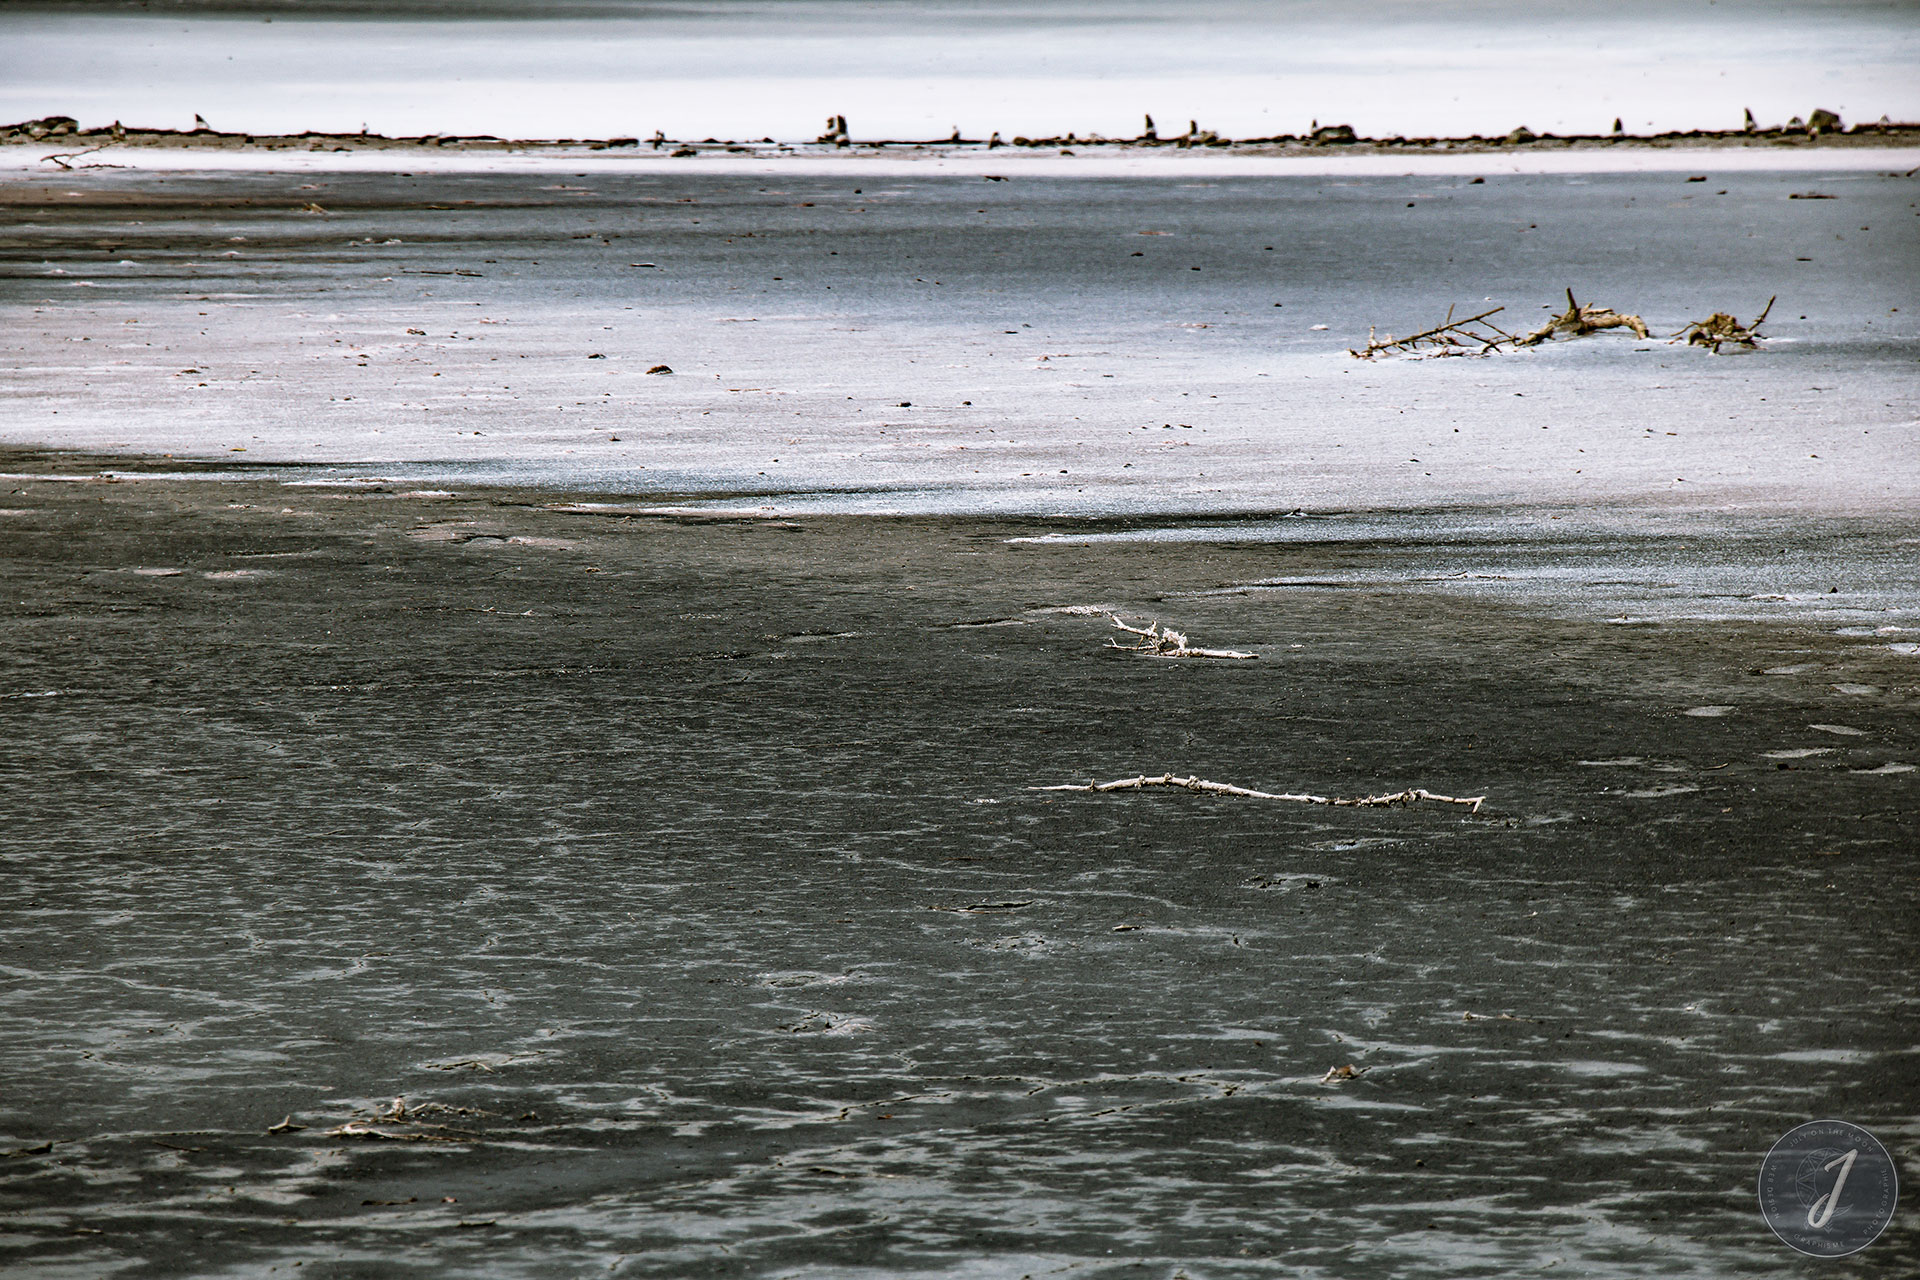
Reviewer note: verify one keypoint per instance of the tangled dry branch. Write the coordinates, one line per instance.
(61, 157)
(1450, 338)
(1477, 335)
(1227, 789)
(1720, 328)
(1582, 318)
(1167, 643)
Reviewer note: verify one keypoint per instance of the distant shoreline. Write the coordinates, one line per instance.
(67, 138)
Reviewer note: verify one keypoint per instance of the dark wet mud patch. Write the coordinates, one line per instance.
(625, 875)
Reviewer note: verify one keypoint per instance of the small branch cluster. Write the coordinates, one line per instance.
(1477, 335)
(1167, 643)
(61, 157)
(1207, 787)
(1720, 328)
(386, 1126)
(1581, 319)
(1451, 338)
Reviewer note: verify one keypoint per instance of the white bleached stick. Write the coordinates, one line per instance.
(1226, 789)
(1167, 643)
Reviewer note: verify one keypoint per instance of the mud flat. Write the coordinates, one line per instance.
(478, 804)
(681, 878)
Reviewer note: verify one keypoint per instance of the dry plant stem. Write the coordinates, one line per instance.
(1580, 319)
(61, 157)
(1720, 328)
(1226, 789)
(370, 1129)
(1161, 643)
(1446, 338)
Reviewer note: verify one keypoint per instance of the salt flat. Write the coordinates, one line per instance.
(922, 341)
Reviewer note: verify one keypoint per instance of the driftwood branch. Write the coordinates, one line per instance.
(1450, 338)
(61, 157)
(1226, 789)
(382, 1127)
(1168, 643)
(1720, 328)
(1582, 318)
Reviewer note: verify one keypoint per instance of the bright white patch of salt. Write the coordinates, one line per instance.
(629, 509)
(1601, 1069)
(1659, 793)
(1857, 690)
(1892, 766)
(1797, 753)
(1845, 730)
(1708, 712)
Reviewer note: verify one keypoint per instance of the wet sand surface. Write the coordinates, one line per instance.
(681, 876)
(918, 341)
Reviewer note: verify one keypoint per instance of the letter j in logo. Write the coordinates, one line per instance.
(1828, 1188)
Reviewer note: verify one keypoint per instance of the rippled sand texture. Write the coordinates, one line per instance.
(680, 878)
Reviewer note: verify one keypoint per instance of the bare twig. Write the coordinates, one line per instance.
(1720, 328)
(371, 1130)
(1450, 338)
(61, 157)
(1226, 789)
(1167, 643)
(1580, 319)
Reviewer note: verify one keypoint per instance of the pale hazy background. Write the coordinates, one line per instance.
(918, 68)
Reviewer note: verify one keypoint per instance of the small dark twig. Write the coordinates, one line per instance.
(61, 157)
